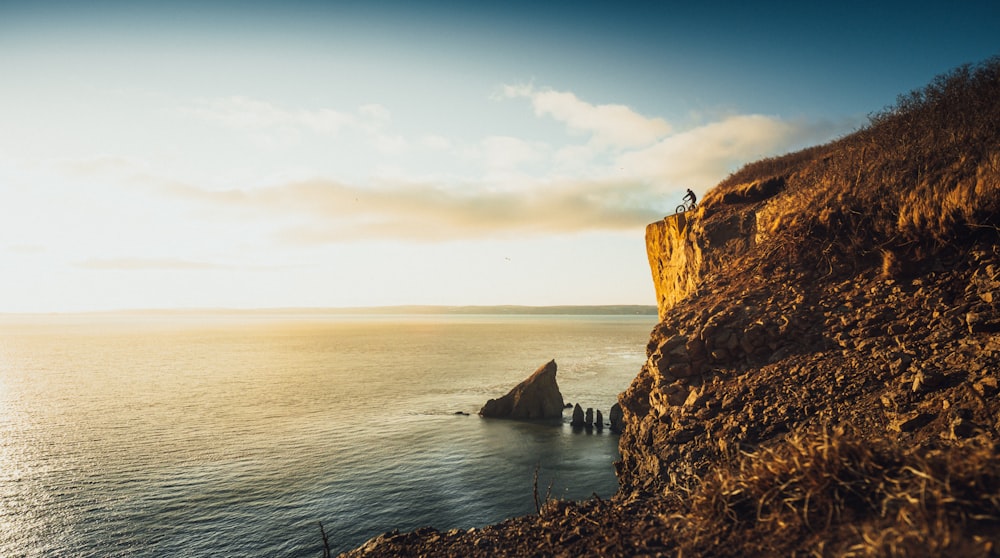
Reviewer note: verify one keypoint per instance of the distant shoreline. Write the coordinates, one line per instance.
(566, 310)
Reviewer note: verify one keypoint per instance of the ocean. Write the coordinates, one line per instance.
(221, 434)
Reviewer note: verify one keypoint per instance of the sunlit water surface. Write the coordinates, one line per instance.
(220, 435)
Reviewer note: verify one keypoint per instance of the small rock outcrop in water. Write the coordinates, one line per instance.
(588, 421)
(577, 416)
(599, 421)
(537, 397)
(615, 417)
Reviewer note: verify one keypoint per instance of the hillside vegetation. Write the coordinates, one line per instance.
(832, 385)
(922, 177)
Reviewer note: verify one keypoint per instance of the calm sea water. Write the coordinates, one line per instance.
(234, 436)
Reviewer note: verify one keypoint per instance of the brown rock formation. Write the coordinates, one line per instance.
(615, 417)
(535, 398)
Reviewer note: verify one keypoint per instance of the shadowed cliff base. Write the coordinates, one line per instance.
(825, 378)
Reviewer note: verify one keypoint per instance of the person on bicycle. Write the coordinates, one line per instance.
(690, 197)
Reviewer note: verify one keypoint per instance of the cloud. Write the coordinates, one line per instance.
(133, 264)
(626, 171)
(271, 125)
(505, 152)
(702, 156)
(699, 156)
(649, 149)
(249, 114)
(614, 126)
(104, 165)
(26, 249)
(335, 211)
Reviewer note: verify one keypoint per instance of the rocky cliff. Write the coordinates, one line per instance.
(685, 247)
(825, 377)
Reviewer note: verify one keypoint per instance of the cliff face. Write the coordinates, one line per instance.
(682, 248)
(674, 258)
(854, 283)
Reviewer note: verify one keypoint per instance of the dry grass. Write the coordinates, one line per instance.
(831, 492)
(922, 176)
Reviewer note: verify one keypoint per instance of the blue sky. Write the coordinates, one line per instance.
(213, 154)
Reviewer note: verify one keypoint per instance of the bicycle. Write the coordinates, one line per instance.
(687, 206)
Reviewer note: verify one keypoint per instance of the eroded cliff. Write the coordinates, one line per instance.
(684, 247)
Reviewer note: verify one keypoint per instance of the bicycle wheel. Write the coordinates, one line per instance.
(680, 208)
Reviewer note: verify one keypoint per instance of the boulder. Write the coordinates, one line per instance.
(588, 421)
(577, 416)
(599, 421)
(537, 397)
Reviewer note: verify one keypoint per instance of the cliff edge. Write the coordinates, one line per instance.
(825, 376)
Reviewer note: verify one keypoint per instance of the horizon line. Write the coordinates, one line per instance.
(495, 309)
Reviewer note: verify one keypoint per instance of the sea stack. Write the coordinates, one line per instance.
(617, 418)
(535, 398)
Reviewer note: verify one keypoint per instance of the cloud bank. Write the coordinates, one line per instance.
(616, 169)
(133, 264)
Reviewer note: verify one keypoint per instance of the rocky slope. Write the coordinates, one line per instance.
(825, 376)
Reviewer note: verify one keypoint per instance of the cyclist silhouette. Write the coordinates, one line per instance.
(688, 202)
(690, 197)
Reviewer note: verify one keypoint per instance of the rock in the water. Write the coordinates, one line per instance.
(537, 397)
(589, 420)
(616, 417)
(577, 416)
(599, 421)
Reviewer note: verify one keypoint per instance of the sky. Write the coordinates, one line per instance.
(341, 154)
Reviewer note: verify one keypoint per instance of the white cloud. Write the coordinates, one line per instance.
(26, 249)
(249, 114)
(701, 156)
(505, 152)
(132, 264)
(621, 174)
(271, 125)
(102, 165)
(435, 142)
(613, 125)
(375, 113)
(332, 211)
